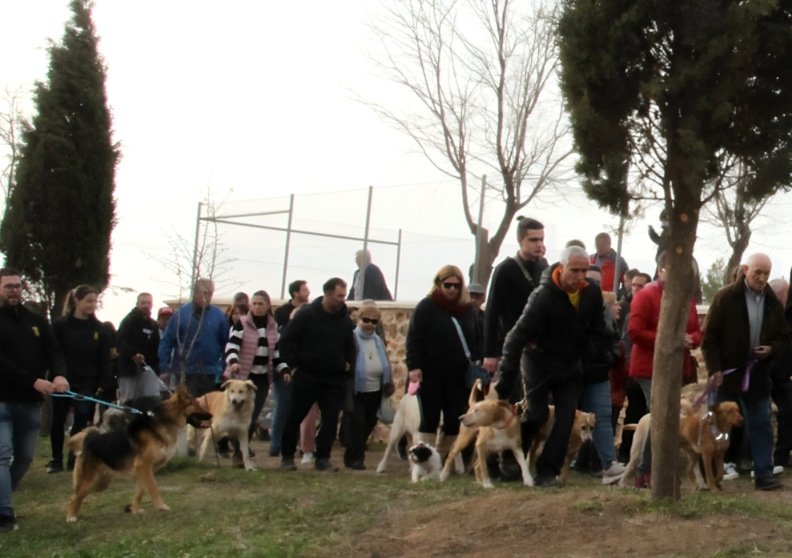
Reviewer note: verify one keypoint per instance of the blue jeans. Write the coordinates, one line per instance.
(597, 399)
(19, 429)
(283, 394)
(756, 413)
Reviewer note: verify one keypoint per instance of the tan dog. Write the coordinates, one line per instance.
(639, 439)
(582, 431)
(139, 448)
(498, 428)
(232, 411)
(706, 434)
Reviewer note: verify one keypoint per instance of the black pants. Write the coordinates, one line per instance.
(307, 390)
(83, 414)
(360, 423)
(565, 398)
(200, 384)
(636, 409)
(782, 397)
(442, 392)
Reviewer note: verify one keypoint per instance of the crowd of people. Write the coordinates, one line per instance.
(578, 334)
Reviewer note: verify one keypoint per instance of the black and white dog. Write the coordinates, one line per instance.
(426, 462)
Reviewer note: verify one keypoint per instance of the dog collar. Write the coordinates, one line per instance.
(511, 420)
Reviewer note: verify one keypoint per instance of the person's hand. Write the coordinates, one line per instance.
(61, 384)
(416, 375)
(490, 364)
(234, 369)
(763, 351)
(44, 387)
(286, 378)
(688, 341)
(139, 359)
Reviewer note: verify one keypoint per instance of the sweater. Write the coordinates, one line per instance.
(86, 350)
(137, 335)
(28, 349)
(433, 343)
(206, 355)
(253, 344)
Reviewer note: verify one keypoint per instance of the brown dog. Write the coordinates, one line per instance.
(232, 411)
(706, 434)
(582, 431)
(140, 448)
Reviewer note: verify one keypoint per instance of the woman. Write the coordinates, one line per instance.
(372, 378)
(236, 311)
(442, 332)
(252, 351)
(86, 350)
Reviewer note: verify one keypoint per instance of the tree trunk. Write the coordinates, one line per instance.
(669, 347)
(738, 249)
(485, 261)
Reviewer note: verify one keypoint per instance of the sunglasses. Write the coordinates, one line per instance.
(372, 321)
(450, 286)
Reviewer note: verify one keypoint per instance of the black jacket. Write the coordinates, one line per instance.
(374, 286)
(137, 335)
(561, 337)
(509, 291)
(86, 350)
(320, 344)
(433, 341)
(28, 349)
(282, 315)
(603, 352)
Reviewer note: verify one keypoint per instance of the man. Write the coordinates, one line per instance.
(781, 392)
(138, 343)
(745, 326)
(561, 321)
(196, 338)
(477, 299)
(163, 317)
(371, 283)
(594, 272)
(28, 350)
(605, 258)
(300, 294)
(319, 346)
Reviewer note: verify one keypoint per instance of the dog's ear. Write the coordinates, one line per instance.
(250, 385)
(224, 385)
(578, 412)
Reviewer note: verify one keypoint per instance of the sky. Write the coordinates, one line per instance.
(252, 99)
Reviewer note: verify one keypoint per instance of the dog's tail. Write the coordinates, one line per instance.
(630, 427)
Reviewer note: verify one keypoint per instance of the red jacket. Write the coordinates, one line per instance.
(644, 315)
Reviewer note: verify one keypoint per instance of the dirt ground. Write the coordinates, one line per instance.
(584, 519)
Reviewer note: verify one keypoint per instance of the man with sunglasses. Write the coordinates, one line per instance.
(27, 351)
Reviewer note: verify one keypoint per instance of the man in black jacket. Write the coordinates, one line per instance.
(300, 295)
(368, 282)
(27, 351)
(138, 342)
(319, 346)
(558, 328)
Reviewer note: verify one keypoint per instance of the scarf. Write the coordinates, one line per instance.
(450, 307)
(360, 363)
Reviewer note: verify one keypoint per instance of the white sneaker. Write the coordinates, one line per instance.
(614, 473)
(307, 458)
(730, 471)
(777, 470)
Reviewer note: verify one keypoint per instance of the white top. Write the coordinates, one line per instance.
(373, 365)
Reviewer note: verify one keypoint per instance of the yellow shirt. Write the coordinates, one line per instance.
(574, 298)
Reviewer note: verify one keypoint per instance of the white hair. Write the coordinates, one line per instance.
(567, 254)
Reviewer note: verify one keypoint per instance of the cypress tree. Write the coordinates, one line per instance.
(681, 90)
(57, 225)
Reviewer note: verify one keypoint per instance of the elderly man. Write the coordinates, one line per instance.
(744, 331)
(195, 338)
(563, 319)
(368, 282)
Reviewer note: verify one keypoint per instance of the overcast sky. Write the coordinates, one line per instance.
(252, 97)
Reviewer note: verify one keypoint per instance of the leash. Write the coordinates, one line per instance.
(146, 368)
(717, 379)
(78, 397)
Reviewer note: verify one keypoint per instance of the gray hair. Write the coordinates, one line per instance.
(366, 255)
(567, 254)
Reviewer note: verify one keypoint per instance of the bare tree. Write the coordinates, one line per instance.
(481, 76)
(11, 122)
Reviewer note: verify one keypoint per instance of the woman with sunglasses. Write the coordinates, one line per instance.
(372, 378)
(441, 335)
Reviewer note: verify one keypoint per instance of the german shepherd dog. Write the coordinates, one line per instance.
(144, 445)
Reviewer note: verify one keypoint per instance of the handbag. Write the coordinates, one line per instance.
(474, 370)
(386, 412)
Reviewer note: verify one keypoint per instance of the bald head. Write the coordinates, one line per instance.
(781, 289)
(757, 272)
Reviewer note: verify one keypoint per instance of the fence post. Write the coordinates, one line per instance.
(195, 250)
(398, 266)
(362, 270)
(288, 244)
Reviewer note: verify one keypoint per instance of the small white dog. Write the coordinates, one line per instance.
(426, 462)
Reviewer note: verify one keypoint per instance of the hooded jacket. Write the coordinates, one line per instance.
(320, 344)
(137, 335)
(552, 336)
(206, 356)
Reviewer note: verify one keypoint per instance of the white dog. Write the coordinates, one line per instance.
(426, 462)
(232, 411)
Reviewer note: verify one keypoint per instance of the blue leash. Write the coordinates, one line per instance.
(79, 397)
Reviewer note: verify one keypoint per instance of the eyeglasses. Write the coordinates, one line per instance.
(450, 286)
(372, 321)
(17, 287)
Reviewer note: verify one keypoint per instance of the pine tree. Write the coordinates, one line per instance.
(677, 92)
(57, 225)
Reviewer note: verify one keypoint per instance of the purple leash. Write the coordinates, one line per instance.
(717, 379)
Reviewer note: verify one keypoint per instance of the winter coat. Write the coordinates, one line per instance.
(726, 342)
(321, 344)
(206, 355)
(607, 267)
(137, 335)
(508, 293)
(283, 314)
(603, 353)
(642, 330)
(86, 349)
(374, 287)
(28, 350)
(552, 336)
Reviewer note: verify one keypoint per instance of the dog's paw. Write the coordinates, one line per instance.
(488, 484)
(381, 468)
(251, 468)
(71, 520)
(444, 475)
(162, 508)
(528, 482)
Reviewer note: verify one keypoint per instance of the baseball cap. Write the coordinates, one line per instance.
(165, 310)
